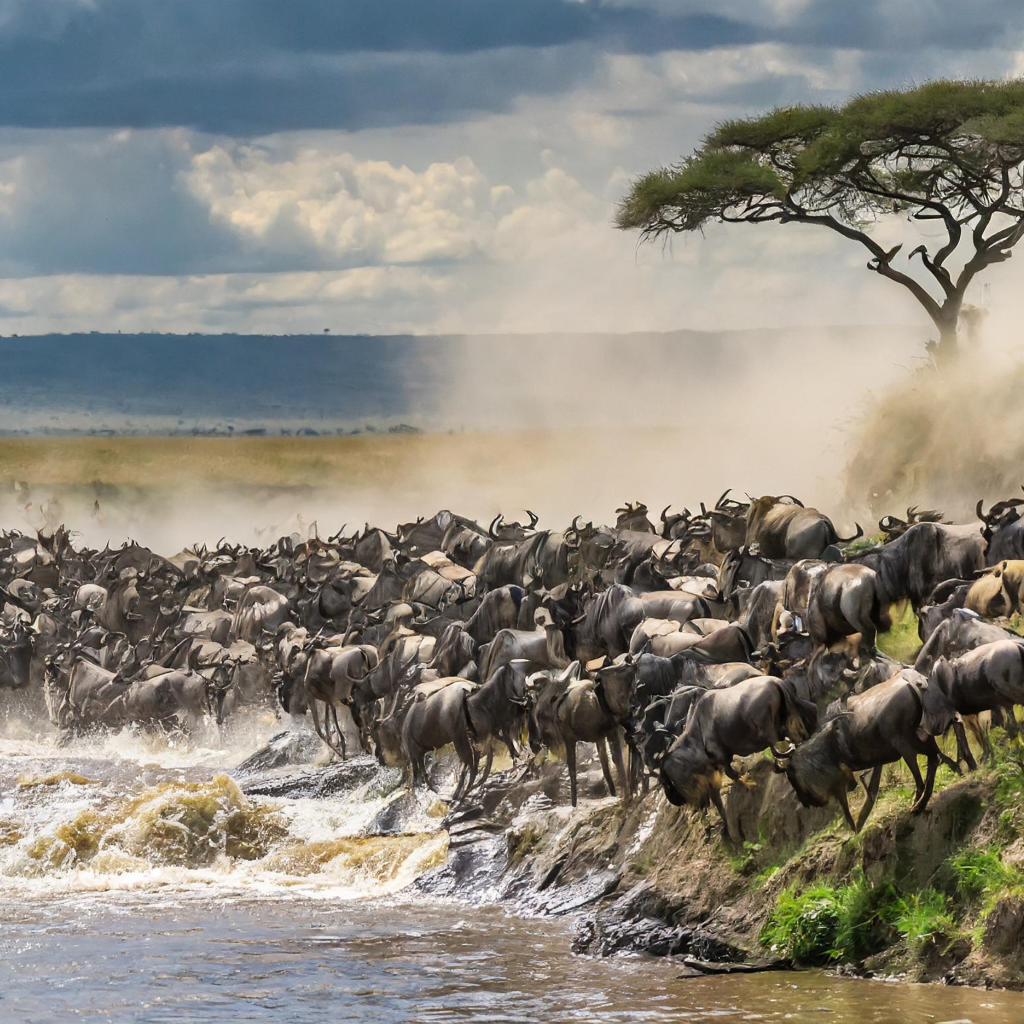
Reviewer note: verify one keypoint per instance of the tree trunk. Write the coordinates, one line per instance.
(947, 348)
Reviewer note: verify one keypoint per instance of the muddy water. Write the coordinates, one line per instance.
(138, 882)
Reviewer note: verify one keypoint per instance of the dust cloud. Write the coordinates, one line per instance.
(943, 438)
(562, 425)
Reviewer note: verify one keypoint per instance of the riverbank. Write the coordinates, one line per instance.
(936, 898)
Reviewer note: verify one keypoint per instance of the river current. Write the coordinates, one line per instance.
(139, 882)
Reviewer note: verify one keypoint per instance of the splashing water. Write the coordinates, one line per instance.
(133, 811)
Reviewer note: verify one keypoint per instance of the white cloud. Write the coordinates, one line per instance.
(367, 210)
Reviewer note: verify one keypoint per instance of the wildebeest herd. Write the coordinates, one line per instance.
(675, 647)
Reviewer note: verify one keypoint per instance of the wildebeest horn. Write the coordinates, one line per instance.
(796, 501)
(533, 518)
(888, 524)
(980, 512)
(721, 500)
(663, 511)
(850, 540)
(494, 523)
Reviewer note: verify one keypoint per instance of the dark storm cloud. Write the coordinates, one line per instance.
(257, 66)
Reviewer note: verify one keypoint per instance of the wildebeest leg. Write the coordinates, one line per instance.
(337, 729)
(910, 760)
(963, 748)
(929, 781)
(1010, 723)
(870, 796)
(625, 782)
(426, 775)
(487, 763)
(844, 803)
(469, 757)
(981, 735)
(463, 775)
(316, 722)
(606, 771)
(570, 760)
(716, 799)
(511, 744)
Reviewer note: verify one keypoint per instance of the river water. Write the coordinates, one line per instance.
(139, 883)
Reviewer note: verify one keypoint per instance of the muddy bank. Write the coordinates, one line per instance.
(936, 898)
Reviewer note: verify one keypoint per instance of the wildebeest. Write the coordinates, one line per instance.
(916, 562)
(437, 716)
(986, 678)
(897, 719)
(846, 599)
(567, 711)
(743, 719)
(998, 591)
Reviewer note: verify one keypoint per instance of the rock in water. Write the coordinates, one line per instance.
(289, 747)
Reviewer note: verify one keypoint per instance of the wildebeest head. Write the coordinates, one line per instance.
(634, 517)
(501, 531)
(893, 526)
(687, 777)
(813, 769)
(729, 523)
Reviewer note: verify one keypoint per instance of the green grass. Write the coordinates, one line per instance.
(828, 923)
(901, 641)
(923, 919)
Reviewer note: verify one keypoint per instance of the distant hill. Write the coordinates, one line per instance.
(182, 383)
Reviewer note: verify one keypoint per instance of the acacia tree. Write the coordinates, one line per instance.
(951, 152)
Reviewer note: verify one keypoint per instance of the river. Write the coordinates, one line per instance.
(138, 882)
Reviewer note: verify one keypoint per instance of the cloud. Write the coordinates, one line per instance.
(356, 212)
(254, 67)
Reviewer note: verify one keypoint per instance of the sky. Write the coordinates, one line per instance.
(392, 166)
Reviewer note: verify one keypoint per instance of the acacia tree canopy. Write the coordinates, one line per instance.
(951, 152)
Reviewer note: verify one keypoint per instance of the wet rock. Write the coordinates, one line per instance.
(322, 782)
(293, 746)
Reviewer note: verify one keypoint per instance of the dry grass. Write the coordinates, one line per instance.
(267, 462)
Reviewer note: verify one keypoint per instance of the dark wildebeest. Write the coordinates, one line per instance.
(743, 719)
(333, 674)
(15, 656)
(914, 564)
(498, 709)
(757, 608)
(897, 719)
(540, 556)
(943, 601)
(846, 599)
(988, 678)
(607, 623)
(961, 632)
(543, 648)
(499, 609)
(568, 711)
(438, 715)
(1003, 530)
(782, 527)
